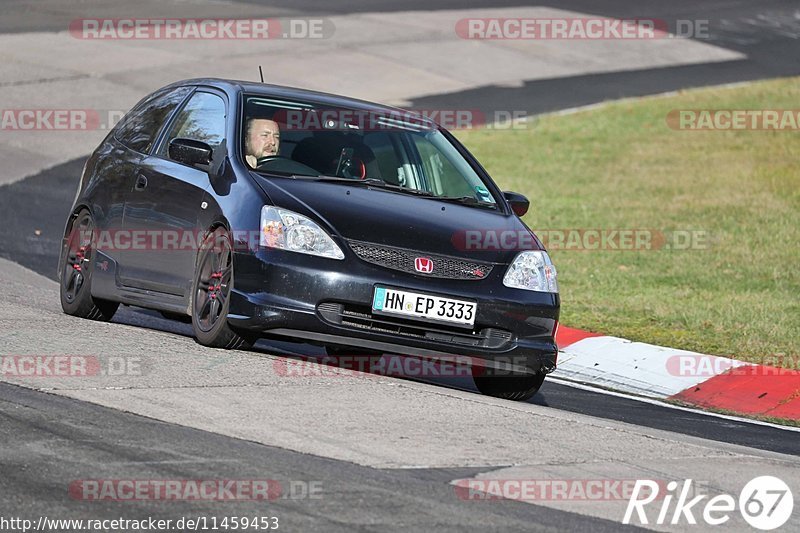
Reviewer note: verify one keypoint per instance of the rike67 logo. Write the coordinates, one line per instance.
(766, 503)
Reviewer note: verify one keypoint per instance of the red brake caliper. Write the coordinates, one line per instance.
(80, 255)
(212, 289)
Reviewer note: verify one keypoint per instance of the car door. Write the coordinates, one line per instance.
(130, 142)
(164, 211)
(118, 163)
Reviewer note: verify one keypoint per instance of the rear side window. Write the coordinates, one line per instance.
(202, 119)
(139, 128)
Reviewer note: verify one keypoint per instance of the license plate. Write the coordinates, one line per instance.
(424, 306)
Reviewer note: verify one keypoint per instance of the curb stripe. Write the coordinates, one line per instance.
(632, 367)
(705, 381)
(566, 336)
(754, 390)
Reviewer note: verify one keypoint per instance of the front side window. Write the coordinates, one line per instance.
(201, 119)
(139, 128)
(403, 151)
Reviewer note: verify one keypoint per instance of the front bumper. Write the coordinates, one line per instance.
(314, 299)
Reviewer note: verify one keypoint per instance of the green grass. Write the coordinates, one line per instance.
(621, 166)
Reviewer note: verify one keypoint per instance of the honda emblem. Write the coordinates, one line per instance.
(423, 264)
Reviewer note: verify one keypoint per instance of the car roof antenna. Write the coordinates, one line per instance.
(261, 73)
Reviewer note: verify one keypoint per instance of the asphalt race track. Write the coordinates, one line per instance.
(385, 451)
(367, 497)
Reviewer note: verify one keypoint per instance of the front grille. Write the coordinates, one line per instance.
(360, 318)
(403, 260)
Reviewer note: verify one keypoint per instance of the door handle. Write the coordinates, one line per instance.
(141, 183)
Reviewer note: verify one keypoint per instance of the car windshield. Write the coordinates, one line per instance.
(398, 150)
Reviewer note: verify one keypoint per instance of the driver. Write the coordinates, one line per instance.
(262, 139)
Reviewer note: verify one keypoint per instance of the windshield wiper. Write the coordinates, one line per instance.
(466, 200)
(367, 182)
(399, 188)
(323, 177)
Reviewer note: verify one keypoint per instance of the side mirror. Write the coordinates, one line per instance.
(519, 203)
(190, 152)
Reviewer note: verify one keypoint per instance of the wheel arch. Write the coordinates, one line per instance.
(74, 215)
(214, 225)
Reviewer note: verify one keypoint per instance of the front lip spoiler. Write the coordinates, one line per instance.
(402, 349)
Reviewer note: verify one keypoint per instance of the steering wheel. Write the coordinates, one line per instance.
(279, 163)
(266, 159)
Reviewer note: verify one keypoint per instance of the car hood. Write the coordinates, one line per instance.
(403, 220)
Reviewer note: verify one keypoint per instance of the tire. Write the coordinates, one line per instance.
(213, 281)
(505, 385)
(76, 266)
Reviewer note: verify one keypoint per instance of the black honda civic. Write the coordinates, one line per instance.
(257, 211)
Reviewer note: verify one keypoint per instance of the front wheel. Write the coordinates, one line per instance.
(76, 266)
(211, 292)
(507, 385)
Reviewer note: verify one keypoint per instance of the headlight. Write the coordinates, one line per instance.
(532, 271)
(287, 230)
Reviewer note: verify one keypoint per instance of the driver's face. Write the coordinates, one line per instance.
(263, 138)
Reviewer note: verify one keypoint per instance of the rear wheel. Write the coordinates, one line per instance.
(507, 385)
(76, 266)
(213, 282)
